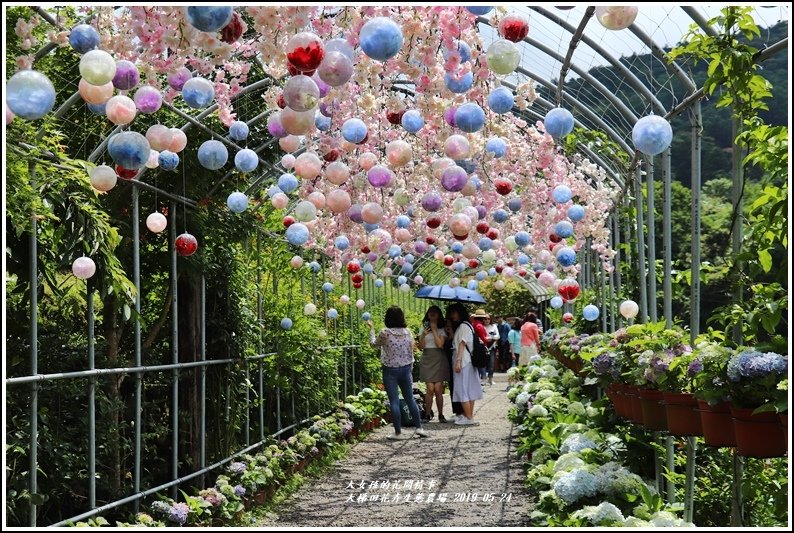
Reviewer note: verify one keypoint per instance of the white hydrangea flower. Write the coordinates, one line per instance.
(633, 521)
(576, 408)
(538, 411)
(573, 486)
(604, 513)
(567, 462)
(543, 394)
(522, 400)
(591, 411)
(576, 442)
(668, 519)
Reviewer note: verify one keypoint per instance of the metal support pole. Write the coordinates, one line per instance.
(651, 192)
(278, 376)
(603, 299)
(260, 332)
(618, 280)
(667, 238)
(737, 231)
(33, 469)
(737, 494)
(203, 385)
(670, 455)
(694, 310)
(641, 267)
(136, 280)
(91, 400)
(174, 355)
(657, 463)
(689, 490)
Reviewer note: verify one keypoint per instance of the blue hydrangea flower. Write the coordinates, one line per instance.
(573, 486)
(237, 467)
(178, 513)
(239, 490)
(576, 442)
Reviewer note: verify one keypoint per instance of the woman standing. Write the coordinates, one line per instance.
(530, 339)
(449, 329)
(514, 338)
(467, 384)
(434, 365)
(397, 357)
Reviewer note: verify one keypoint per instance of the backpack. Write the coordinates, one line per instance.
(479, 357)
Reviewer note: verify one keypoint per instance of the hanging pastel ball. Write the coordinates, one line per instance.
(522, 238)
(556, 302)
(470, 117)
(652, 135)
(354, 130)
(314, 266)
(246, 160)
(308, 166)
(360, 304)
(212, 154)
(566, 256)
(472, 285)
(459, 225)
(129, 149)
(513, 27)
(616, 17)
(97, 109)
(208, 18)
(510, 243)
(328, 286)
(238, 131)
(186, 245)
(563, 228)
(576, 212)
(178, 140)
(148, 99)
(485, 243)
(372, 213)
(479, 10)
(459, 85)
(103, 178)
(156, 222)
(288, 161)
(178, 78)
(401, 280)
(629, 309)
(431, 201)
(454, 179)
(457, 147)
(403, 221)
(558, 122)
(460, 48)
(168, 160)
(338, 201)
(159, 137)
(344, 299)
(30, 94)
(309, 309)
(500, 215)
(412, 121)
(547, 278)
(286, 323)
(455, 282)
(568, 289)
(514, 204)
(405, 287)
(342, 243)
(496, 146)
(590, 312)
(336, 68)
(237, 202)
(154, 159)
(297, 234)
(95, 94)
(332, 314)
(503, 57)
(339, 45)
(290, 143)
(198, 92)
(276, 128)
(305, 211)
(562, 194)
(317, 199)
(305, 51)
(83, 267)
(501, 100)
(97, 67)
(83, 38)
(378, 283)
(296, 261)
(321, 85)
(301, 93)
(121, 110)
(127, 76)
(322, 122)
(380, 38)
(380, 176)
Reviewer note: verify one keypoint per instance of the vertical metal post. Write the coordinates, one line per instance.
(278, 373)
(174, 355)
(91, 400)
(203, 385)
(667, 238)
(670, 455)
(618, 280)
(259, 328)
(33, 469)
(689, 488)
(651, 191)
(641, 267)
(136, 280)
(603, 299)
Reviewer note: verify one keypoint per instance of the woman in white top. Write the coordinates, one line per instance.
(434, 365)
(467, 387)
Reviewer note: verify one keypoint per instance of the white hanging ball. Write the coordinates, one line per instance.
(361, 304)
(309, 309)
(344, 299)
(499, 285)
(83, 267)
(629, 309)
(454, 282)
(156, 222)
(405, 287)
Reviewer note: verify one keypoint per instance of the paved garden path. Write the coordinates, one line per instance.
(454, 462)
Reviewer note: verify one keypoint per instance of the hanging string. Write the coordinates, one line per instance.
(184, 195)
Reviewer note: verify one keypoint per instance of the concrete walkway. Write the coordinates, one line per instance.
(457, 477)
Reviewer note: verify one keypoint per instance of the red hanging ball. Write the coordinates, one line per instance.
(482, 228)
(126, 173)
(514, 27)
(353, 267)
(395, 117)
(509, 263)
(186, 245)
(288, 221)
(503, 186)
(537, 274)
(522, 273)
(555, 238)
(307, 58)
(499, 269)
(492, 234)
(433, 222)
(281, 102)
(430, 239)
(331, 155)
(356, 285)
(365, 249)
(233, 30)
(461, 237)
(448, 260)
(567, 317)
(356, 278)
(473, 263)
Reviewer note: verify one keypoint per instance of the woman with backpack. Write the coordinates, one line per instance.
(467, 387)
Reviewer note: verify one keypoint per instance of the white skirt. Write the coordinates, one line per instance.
(466, 384)
(527, 351)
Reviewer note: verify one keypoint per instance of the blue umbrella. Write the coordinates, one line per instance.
(450, 294)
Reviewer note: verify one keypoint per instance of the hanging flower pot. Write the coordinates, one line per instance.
(759, 435)
(717, 424)
(683, 419)
(619, 400)
(654, 414)
(635, 404)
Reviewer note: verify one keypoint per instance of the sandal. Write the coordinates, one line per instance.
(442, 418)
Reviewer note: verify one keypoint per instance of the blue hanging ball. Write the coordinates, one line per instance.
(198, 92)
(523, 259)
(457, 247)
(576, 212)
(342, 243)
(485, 244)
(477, 182)
(366, 316)
(212, 154)
(469, 117)
(566, 257)
(514, 204)
(98, 109)
(479, 10)
(459, 267)
(394, 250)
(83, 38)
(354, 130)
(314, 266)
(370, 227)
(459, 85)
(380, 38)
(401, 280)
(496, 146)
(431, 249)
(481, 275)
(378, 283)
(492, 271)
(297, 234)
(406, 268)
(472, 284)
(246, 160)
(287, 183)
(168, 160)
(410, 258)
(412, 121)
(410, 211)
(561, 194)
(590, 312)
(403, 221)
(466, 164)
(367, 269)
(129, 149)
(558, 122)
(322, 122)
(522, 238)
(286, 323)
(208, 18)
(538, 267)
(237, 202)
(332, 314)
(239, 130)
(327, 286)
(273, 190)
(556, 302)
(30, 94)
(652, 135)
(563, 228)
(501, 100)
(500, 215)
(464, 50)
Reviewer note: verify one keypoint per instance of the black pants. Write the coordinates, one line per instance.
(505, 356)
(456, 407)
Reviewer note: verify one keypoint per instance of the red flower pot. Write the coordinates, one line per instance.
(621, 402)
(717, 424)
(654, 414)
(759, 435)
(683, 419)
(636, 406)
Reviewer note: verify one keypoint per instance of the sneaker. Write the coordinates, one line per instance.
(421, 433)
(458, 418)
(398, 436)
(442, 418)
(466, 422)
(490, 381)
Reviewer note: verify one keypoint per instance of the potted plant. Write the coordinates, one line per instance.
(709, 379)
(683, 418)
(753, 379)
